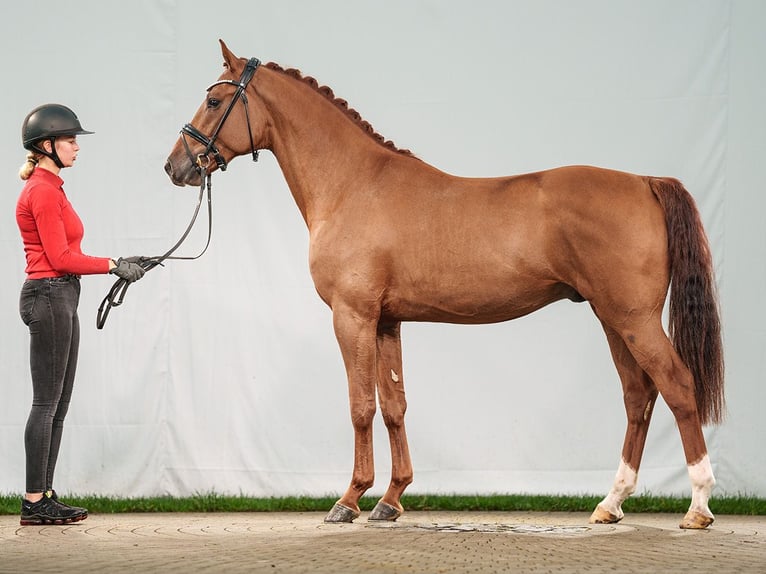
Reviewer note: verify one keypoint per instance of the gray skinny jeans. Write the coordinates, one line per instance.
(49, 308)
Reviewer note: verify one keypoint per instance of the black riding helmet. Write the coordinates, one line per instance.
(49, 121)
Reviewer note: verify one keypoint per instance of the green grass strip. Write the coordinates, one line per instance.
(213, 502)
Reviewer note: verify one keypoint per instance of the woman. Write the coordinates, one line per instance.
(52, 232)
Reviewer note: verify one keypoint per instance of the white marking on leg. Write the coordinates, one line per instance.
(647, 410)
(624, 485)
(394, 376)
(703, 481)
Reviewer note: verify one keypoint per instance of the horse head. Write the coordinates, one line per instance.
(227, 124)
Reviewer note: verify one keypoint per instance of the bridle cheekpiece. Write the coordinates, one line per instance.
(202, 160)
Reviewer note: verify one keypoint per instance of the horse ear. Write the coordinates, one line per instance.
(228, 57)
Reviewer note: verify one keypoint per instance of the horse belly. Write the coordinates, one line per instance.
(475, 300)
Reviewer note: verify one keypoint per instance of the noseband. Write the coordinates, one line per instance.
(202, 161)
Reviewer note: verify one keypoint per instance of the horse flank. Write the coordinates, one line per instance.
(342, 105)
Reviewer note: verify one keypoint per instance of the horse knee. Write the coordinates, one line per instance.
(609, 510)
(362, 415)
(393, 414)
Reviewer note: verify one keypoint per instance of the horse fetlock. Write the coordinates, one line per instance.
(624, 485)
(701, 474)
(399, 483)
(362, 415)
(358, 490)
(703, 481)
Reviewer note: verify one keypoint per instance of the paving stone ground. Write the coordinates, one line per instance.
(419, 542)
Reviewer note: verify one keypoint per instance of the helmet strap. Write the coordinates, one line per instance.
(53, 155)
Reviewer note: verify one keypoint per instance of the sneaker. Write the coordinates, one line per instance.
(48, 511)
(55, 497)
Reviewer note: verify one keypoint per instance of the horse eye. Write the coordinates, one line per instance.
(213, 103)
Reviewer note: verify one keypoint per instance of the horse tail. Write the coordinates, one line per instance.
(694, 323)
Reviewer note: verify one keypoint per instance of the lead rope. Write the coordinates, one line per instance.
(116, 294)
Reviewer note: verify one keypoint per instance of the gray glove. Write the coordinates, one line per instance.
(134, 259)
(127, 269)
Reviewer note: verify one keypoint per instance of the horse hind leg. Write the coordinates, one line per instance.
(393, 405)
(655, 354)
(639, 395)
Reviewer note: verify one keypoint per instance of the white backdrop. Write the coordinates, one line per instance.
(223, 374)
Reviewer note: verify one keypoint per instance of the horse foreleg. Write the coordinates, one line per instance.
(393, 405)
(639, 395)
(356, 337)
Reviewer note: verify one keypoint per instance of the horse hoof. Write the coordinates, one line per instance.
(696, 520)
(384, 511)
(603, 516)
(340, 513)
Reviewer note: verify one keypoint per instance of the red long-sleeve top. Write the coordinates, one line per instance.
(52, 231)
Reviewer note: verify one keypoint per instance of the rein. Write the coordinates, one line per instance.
(116, 294)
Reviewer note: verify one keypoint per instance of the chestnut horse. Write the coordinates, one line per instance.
(394, 239)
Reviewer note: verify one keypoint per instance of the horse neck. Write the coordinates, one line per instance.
(321, 152)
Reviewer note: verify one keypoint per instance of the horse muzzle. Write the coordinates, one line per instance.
(189, 174)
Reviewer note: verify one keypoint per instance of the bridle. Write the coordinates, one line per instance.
(203, 159)
(201, 162)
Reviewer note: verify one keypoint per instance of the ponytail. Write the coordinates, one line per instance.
(29, 166)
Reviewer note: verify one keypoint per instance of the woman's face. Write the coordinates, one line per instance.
(66, 149)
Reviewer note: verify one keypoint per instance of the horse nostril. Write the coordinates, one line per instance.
(168, 168)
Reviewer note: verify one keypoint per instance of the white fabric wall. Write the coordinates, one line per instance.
(223, 374)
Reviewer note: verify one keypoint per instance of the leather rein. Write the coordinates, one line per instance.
(116, 294)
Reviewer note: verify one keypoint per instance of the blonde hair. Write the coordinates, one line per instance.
(29, 166)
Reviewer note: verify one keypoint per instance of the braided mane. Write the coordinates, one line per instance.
(341, 104)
